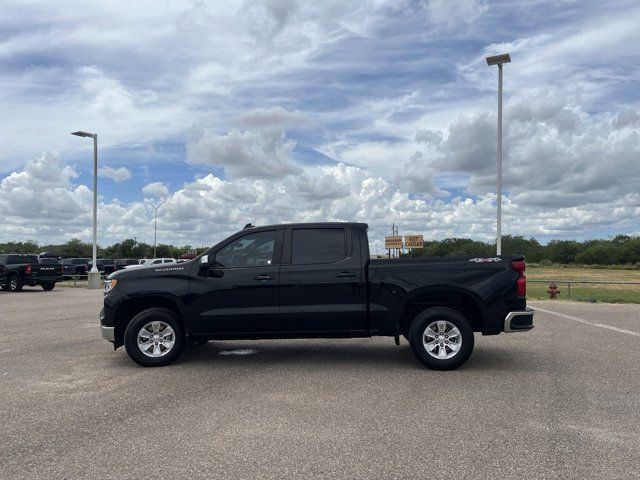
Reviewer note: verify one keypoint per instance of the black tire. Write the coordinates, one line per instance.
(14, 283)
(48, 286)
(5, 287)
(453, 317)
(136, 325)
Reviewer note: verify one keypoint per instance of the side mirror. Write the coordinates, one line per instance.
(204, 266)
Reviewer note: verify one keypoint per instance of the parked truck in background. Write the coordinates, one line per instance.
(314, 281)
(75, 267)
(18, 270)
(105, 266)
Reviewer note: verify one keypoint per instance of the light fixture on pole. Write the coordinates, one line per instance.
(155, 224)
(94, 274)
(499, 60)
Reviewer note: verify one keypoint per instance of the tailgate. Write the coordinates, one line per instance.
(48, 272)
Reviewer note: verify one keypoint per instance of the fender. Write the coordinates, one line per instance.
(148, 297)
(436, 289)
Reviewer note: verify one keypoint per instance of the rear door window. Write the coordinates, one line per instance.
(318, 245)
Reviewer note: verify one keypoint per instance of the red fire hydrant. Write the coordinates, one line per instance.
(553, 291)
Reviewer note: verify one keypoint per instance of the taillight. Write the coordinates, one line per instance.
(518, 266)
(521, 284)
(27, 270)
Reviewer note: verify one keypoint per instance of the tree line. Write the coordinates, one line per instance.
(75, 247)
(618, 250)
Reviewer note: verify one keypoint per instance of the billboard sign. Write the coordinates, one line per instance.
(392, 242)
(413, 241)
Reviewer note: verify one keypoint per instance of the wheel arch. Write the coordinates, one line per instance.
(133, 306)
(461, 300)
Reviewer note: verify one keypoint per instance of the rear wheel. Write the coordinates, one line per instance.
(14, 283)
(441, 338)
(154, 338)
(48, 286)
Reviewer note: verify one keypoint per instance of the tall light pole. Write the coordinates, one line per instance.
(155, 224)
(499, 60)
(94, 274)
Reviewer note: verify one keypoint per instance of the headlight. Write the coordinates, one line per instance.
(110, 285)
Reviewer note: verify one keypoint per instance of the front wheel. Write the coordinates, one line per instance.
(441, 338)
(48, 286)
(154, 338)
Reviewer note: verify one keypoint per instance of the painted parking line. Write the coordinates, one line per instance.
(582, 320)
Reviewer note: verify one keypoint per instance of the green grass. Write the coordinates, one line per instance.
(585, 292)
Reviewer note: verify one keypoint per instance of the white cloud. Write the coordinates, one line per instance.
(156, 189)
(198, 211)
(274, 117)
(251, 154)
(428, 137)
(116, 174)
(453, 13)
(416, 176)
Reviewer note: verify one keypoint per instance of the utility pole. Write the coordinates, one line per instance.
(155, 225)
(93, 278)
(393, 232)
(499, 60)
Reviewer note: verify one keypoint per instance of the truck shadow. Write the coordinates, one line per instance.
(346, 354)
(318, 353)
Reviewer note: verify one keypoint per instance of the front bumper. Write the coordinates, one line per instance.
(519, 321)
(108, 333)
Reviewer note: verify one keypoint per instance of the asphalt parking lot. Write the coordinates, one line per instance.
(561, 401)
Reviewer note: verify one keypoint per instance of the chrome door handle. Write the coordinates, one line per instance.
(264, 276)
(345, 275)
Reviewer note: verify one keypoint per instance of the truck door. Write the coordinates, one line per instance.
(238, 293)
(322, 281)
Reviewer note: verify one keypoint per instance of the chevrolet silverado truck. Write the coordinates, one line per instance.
(17, 270)
(313, 281)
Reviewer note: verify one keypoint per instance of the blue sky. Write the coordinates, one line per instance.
(281, 110)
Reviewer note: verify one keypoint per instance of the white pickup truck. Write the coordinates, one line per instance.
(151, 261)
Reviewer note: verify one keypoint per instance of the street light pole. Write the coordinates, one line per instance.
(499, 60)
(155, 224)
(94, 274)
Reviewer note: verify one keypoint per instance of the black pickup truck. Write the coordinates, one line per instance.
(75, 267)
(313, 281)
(17, 270)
